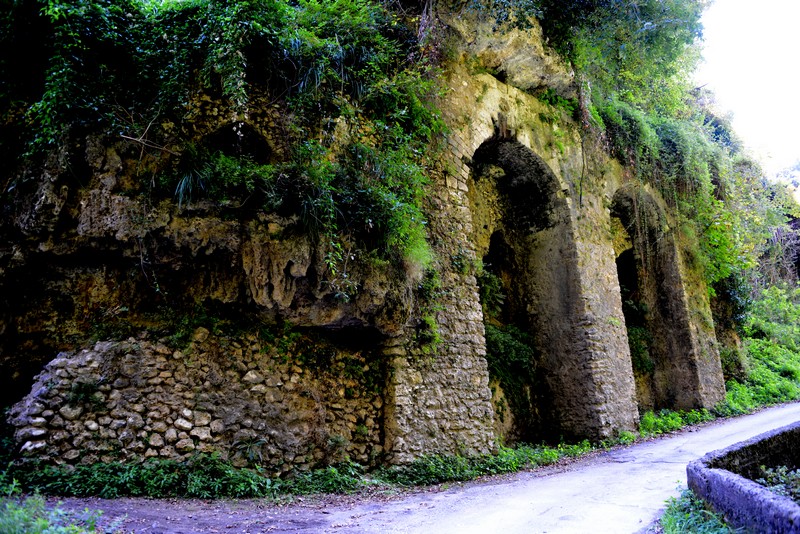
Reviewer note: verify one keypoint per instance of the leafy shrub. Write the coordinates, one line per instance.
(738, 400)
(626, 437)
(639, 340)
(345, 477)
(211, 477)
(429, 470)
(437, 469)
(550, 97)
(665, 421)
(693, 417)
(203, 477)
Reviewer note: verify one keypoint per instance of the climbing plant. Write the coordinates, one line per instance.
(512, 362)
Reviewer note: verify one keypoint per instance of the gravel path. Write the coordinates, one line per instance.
(619, 491)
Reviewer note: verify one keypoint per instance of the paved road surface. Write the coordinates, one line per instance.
(618, 492)
(621, 491)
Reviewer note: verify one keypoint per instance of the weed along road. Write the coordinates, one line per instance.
(619, 491)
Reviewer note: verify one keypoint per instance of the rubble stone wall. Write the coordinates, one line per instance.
(241, 398)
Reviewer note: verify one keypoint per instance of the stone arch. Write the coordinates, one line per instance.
(523, 230)
(664, 347)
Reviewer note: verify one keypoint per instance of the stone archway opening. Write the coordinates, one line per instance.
(634, 308)
(653, 302)
(522, 235)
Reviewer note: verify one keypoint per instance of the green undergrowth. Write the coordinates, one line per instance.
(653, 424)
(770, 358)
(781, 480)
(436, 469)
(31, 515)
(208, 476)
(688, 513)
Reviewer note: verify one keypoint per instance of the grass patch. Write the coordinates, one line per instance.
(687, 513)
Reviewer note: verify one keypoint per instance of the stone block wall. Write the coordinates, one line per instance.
(440, 401)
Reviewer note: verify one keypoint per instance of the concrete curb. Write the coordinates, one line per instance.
(722, 479)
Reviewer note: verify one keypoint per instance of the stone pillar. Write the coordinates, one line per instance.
(440, 402)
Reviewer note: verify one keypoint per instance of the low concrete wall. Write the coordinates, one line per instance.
(723, 479)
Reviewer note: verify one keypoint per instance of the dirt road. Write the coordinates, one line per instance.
(621, 491)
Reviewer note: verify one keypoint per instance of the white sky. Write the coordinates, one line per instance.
(752, 63)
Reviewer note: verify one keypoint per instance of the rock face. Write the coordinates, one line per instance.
(516, 188)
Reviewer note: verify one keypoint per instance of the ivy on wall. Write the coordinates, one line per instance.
(124, 67)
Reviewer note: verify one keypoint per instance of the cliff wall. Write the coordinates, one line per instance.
(217, 328)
